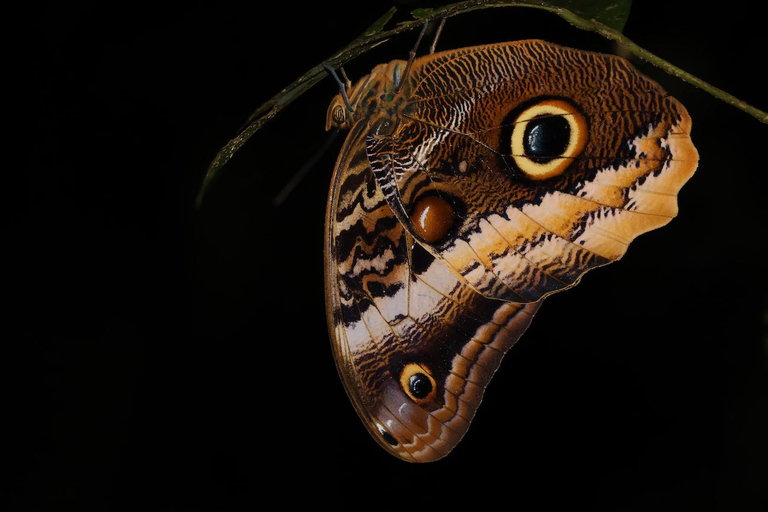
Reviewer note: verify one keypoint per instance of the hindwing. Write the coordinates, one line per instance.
(397, 314)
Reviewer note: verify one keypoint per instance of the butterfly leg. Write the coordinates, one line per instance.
(437, 35)
(342, 86)
(411, 56)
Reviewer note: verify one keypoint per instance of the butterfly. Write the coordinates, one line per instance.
(473, 184)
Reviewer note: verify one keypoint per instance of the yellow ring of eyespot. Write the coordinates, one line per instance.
(578, 139)
(409, 371)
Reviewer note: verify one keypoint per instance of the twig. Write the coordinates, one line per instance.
(376, 34)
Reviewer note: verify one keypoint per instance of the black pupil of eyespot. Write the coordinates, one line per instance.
(420, 385)
(389, 438)
(546, 137)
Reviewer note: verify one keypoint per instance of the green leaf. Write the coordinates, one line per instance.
(611, 13)
(380, 23)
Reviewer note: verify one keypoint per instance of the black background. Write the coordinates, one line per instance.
(163, 358)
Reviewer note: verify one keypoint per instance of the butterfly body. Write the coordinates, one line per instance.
(472, 185)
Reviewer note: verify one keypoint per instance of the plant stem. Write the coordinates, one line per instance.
(679, 73)
(376, 34)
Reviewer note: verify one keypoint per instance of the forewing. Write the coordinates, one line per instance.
(520, 234)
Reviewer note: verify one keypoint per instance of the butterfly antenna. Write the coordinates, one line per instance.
(437, 35)
(411, 56)
(342, 86)
(304, 169)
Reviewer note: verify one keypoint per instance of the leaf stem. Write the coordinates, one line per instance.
(376, 34)
(673, 70)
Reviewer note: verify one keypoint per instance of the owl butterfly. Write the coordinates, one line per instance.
(473, 184)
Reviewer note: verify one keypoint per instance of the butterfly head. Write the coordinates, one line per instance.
(372, 93)
(339, 114)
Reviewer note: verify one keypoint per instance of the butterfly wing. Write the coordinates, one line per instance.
(414, 345)
(546, 161)
(504, 174)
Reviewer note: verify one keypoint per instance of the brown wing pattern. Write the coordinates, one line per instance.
(395, 313)
(450, 217)
(517, 237)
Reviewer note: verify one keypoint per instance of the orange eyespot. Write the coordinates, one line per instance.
(433, 217)
(418, 383)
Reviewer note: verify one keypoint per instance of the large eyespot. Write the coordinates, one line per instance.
(546, 137)
(433, 217)
(418, 383)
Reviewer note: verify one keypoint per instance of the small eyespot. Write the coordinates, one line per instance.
(418, 383)
(547, 137)
(433, 217)
(383, 127)
(389, 438)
